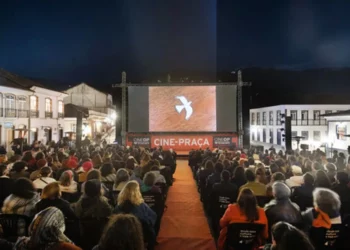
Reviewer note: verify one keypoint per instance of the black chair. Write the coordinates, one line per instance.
(218, 207)
(14, 225)
(263, 200)
(91, 231)
(71, 197)
(156, 203)
(109, 185)
(243, 236)
(329, 239)
(163, 187)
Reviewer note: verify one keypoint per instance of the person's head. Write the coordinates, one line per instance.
(296, 170)
(130, 192)
(41, 163)
(227, 164)
(137, 171)
(51, 191)
(97, 160)
(130, 163)
(278, 176)
(93, 188)
(307, 166)
(129, 231)
(209, 165)
(93, 174)
(288, 237)
(280, 191)
(3, 168)
(249, 175)
(45, 171)
(327, 201)
(322, 179)
(239, 174)
(19, 166)
(122, 176)
(343, 178)
(39, 156)
(107, 169)
(317, 166)
(24, 188)
(71, 164)
(260, 174)
(66, 178)
(27, 156)
(149, 179)
(225, 176)
(218, 167)
(308, 179)
(46, 229)
(87, 166)
(274, 168)
(248, 204)
(331, 168)
(251, 161)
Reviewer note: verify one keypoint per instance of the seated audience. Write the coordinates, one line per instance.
(44, 179)
(322, 180)
(288, 237)
(130, 202)
(214, 177)
(303, 195)
(95, 174)
(281, 208)
(239, 177)
(92, 204)
(107, 173)
(331, 172)
(245, 210)
(297, 179)
(67, 165)
(39, 165)
(86, 166)
(258, 188)
(129, 231)
(67, 183)
(22, 200)
(121, 179)
(148, 183)
(225, 188)
(260, 174)
(159, 177)
(6, 184)
(51, 197)
(46, 232)
(136, 175)
(19, 170)
(277, 176)
(341, 187)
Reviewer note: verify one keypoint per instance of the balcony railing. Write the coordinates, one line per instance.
(22, 113)
(10, 112)
(310, 122)
(48, 114)
(34, 113)
(60, 115)
(271, 122)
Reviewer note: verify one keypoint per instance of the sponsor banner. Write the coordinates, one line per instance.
(142, 141)
(224, 141)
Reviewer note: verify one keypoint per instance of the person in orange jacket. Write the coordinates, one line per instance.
(245, 210)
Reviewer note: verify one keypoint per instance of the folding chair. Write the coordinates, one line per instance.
(243, 236)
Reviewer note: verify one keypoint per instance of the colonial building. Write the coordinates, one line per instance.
(266, 128)
(29, 110)
(100, 123)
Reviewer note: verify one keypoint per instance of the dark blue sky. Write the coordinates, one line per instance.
(93, 41)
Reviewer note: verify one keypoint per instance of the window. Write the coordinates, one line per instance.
(22, 103)
(264, 135)
(60, 107)
(258, 135)
(279, 137)
(294, 115)
(10, 102)
(271, 136)
(257, 118)
(304, 115)
(317, 114)
(328, 112)
(294, 133)
(271, 118)
(252, 119)
(305, 134)
(278, 119)
(48, 105)
(34, 103)
(264, 118)
(317, 136)
(253, 135)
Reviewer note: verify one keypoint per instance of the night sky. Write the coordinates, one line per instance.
(93, 41)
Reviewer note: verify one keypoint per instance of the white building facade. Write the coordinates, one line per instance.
(102, 112)
(266, 128)
(29, 111)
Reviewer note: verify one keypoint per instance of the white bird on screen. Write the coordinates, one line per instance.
(185, 105)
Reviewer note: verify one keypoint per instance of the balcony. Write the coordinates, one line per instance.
(48, 114)
(60, 115)
(34, 113)
(310, 122)
(22, 113)
(10, 112)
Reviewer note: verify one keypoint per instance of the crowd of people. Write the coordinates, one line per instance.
(54, 192)
(295, 200)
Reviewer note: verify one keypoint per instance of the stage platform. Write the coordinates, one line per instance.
(182, 153)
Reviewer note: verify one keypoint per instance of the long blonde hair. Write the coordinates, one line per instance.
(130, 192)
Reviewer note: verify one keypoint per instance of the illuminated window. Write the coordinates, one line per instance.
(10, 101)
(22, 103)
(60, 107)
(48, 105)
(34, 103)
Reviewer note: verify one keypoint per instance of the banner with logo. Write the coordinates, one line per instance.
(141, 141)
(224, 141)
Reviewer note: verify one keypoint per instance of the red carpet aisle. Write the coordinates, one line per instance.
(184, 225)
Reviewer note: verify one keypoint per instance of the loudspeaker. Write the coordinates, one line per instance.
(288, 132)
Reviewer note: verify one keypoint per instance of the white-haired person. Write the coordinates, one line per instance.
(297, 179)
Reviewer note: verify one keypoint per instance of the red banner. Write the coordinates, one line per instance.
(186, 142)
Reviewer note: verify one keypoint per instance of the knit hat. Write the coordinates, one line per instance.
(41, 163)
(71, 164)
(87, 166)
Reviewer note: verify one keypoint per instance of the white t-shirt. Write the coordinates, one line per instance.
(41, 182)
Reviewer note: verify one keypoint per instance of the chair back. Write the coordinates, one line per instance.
(326, 239)
(163, 187)
(243, 236)
(91, 231)
(71, 197)
(109, 185)
(14, 225)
